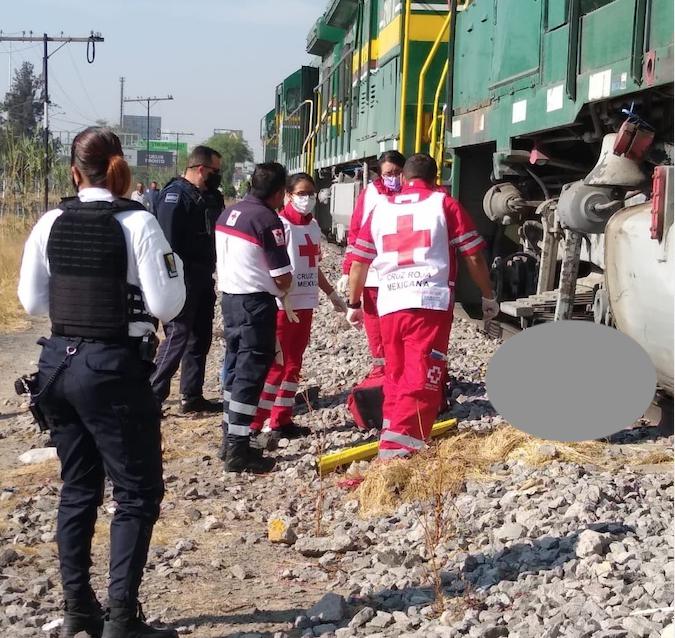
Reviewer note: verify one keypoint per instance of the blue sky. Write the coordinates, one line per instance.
(220, 59)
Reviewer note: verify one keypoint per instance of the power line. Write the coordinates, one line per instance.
(13, 51)
(79, 125)
(91, 41)
(83, 85)
(72, 102)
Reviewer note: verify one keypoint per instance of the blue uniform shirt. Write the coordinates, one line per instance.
(188, 223)
(251, 248)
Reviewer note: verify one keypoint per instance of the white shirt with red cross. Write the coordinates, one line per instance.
(303, 241)
(411, 240)
(364, 206)
(370, 200)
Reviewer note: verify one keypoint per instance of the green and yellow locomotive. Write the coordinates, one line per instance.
(552, 121)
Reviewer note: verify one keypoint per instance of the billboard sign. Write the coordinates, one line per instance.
(157, 159)
(138, 125)
(162, 145)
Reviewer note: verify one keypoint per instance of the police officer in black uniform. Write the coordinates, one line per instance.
(101, 268)
(187, 211)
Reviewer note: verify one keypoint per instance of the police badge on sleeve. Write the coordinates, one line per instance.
(170, 263)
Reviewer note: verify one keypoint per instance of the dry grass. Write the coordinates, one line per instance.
(33, 474)
(444, 467)
(319, 435)
(188, 437)
(25, 480)
(13, 233)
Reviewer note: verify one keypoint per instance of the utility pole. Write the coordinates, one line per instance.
(91, 41)
(148, 100)
(121, 104)
(177, 134)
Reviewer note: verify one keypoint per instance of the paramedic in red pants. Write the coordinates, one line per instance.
(411, 240)
(390, 166)
(303, 241)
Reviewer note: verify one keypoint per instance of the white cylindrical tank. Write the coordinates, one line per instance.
(641, 286)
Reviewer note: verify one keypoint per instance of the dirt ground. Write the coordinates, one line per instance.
(212, 572)
(199, 591)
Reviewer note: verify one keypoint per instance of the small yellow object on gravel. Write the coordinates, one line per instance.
(279, 530)
(329, 462)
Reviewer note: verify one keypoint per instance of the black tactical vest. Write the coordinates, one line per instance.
(89, 295)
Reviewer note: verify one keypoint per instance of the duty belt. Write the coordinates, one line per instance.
(146, 345)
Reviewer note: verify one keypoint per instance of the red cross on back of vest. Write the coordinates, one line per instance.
(405, 240)
(309, 250)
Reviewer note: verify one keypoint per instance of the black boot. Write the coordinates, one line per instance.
(128, 621)
(257, 444)
(242, 458)
(82, 615)
(196, 405)
(222, 450)
(290, 431)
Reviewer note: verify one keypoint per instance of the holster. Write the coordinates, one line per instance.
(147, 348)
(28, 385)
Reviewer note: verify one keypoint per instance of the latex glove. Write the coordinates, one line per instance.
(288, 309)
(343, 284)
(355, 317)
(338, 302)
(279, 358)
(490, 309)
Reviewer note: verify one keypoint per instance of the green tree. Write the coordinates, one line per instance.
(22, 106)
(233, 149)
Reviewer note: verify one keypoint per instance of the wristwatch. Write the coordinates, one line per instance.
(354, 306)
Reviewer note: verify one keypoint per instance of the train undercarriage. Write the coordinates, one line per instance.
(580, 226)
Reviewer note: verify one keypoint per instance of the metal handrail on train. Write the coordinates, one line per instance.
(311, 121)
(441, 146)
(322, 117)
(422, 78)
(435, 116)
(318, 90)
(285, 118)
(404, 74)
(309, 168)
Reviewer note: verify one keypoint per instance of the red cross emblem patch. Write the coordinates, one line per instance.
(310, 250)
(405, 240)
(232, 219)
(279, 236)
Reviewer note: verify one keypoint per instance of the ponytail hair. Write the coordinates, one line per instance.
(118, 176)
(97, 154)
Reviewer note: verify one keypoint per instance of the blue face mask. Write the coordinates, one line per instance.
(392, 183)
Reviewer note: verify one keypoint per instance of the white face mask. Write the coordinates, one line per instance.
(304, 204)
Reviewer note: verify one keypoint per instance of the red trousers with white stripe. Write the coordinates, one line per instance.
(371, 323)
(414, 375)
(278, 395)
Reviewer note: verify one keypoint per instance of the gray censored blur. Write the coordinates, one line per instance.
(571, 381)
